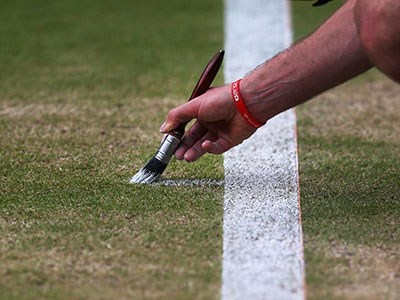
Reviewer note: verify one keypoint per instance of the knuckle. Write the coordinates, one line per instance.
(198, 151)
(189, 139)
(172, 114)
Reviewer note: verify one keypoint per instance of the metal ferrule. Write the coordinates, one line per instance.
(167, 148)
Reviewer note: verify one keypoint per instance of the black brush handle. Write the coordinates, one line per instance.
(202, 86)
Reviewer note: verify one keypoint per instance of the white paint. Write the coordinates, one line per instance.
(262, 246)
(189, 182)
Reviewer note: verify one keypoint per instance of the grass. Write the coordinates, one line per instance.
(83, 89)
(348, 157)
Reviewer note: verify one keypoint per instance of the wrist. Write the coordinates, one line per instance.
(271, 89)
(241, 107)
(254, 100)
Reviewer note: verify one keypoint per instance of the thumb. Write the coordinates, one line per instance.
(179, 115)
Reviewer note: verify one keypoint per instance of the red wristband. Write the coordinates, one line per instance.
(238, 100)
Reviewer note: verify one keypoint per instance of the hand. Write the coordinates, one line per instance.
(219, 126)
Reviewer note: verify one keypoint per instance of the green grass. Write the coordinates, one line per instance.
(105, 50)
(349, 178)
(83, 89)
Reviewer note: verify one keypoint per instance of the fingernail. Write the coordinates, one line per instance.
(187, 157)
(163, 126)
(178, 155)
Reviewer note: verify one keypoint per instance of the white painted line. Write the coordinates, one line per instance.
(262, 240)
(190, 182)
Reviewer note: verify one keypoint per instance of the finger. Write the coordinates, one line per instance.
(181, 114)
(196, 151)
(196, 132)
(217, 147)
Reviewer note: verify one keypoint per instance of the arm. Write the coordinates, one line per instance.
(330, 56)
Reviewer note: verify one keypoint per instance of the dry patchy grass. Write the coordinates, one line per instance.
(349, 169)
(369, 111)
(71, 226)
(356, 272)
(128, 264)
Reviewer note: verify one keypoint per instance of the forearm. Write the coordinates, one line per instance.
(330, 56)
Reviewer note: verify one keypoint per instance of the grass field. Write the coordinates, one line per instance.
(84, 87)
(349, 160)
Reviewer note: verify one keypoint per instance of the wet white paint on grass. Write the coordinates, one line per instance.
(189, 182)
(262, 247)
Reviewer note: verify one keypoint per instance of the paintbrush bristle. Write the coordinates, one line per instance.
(150, 172)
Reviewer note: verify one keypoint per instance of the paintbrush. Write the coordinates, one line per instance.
(156, 166)
(317, 3)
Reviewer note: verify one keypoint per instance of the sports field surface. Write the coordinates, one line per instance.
(84, 87)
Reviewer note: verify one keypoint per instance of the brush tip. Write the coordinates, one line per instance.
(150, 172)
